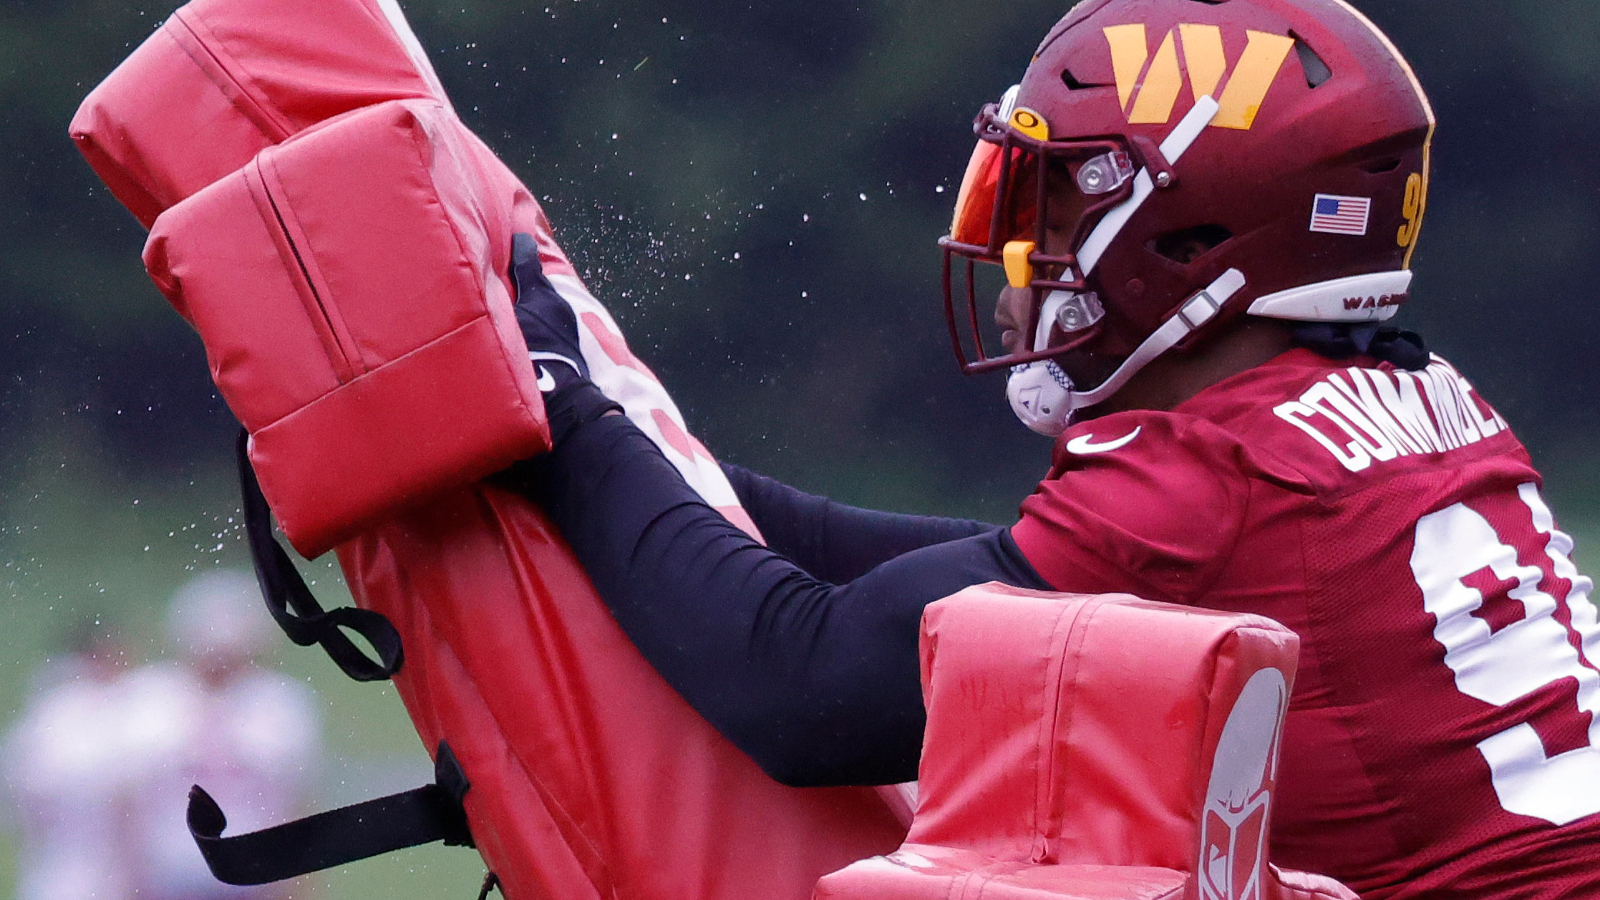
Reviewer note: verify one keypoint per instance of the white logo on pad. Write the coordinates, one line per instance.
(1244, 771)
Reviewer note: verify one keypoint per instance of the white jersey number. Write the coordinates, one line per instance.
(1454, 548)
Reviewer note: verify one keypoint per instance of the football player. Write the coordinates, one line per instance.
(1205, 212)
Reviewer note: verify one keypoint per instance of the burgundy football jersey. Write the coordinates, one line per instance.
(1442, 737)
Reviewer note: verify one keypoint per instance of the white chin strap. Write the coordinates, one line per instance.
(1044, 397)
(1041, 394)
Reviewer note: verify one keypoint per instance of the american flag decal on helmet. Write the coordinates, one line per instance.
(1340, 215)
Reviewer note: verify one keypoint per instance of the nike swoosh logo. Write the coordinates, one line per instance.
(1084, 444)
(546, 382)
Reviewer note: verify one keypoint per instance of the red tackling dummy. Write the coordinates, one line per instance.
(591, 778)
(1094, 748)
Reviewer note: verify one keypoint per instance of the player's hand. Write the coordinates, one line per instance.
(548, 323)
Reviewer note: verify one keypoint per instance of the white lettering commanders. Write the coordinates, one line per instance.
(1363, 416)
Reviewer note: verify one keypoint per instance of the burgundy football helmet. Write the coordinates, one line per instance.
(1166, 165)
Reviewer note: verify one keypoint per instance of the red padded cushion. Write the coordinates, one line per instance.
(222, 79)
(347, 287)
(1093, 748)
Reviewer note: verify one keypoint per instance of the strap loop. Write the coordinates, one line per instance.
(430, 813)
(294, 607)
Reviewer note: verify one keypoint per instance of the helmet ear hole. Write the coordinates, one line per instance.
(1316, 69)
(1073, 84)
(1189, 244)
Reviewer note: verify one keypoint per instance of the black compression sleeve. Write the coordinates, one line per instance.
(834, 541)
(817, 682)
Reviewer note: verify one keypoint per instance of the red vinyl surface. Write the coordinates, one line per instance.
(223, 79)
(346, 285)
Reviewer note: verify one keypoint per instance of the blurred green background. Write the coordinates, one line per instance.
(755, 189)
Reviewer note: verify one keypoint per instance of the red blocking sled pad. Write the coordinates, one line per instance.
(1093, 748)
(590, 777)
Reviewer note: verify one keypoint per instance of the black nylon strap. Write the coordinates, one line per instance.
(294, 607)
(408, 819)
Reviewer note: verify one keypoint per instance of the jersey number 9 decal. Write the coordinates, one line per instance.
(1458, 557)
(1412, 208)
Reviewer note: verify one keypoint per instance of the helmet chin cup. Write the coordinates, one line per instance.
(1041, 396)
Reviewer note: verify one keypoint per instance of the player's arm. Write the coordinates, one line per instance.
(834, 541)
(817, 682)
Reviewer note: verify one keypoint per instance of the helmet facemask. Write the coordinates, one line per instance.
(1027, 204)
(1071, 197)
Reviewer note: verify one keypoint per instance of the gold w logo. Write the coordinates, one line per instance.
(1157, 82)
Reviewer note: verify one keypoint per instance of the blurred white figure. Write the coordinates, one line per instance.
(69, 779)
(248, 735)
